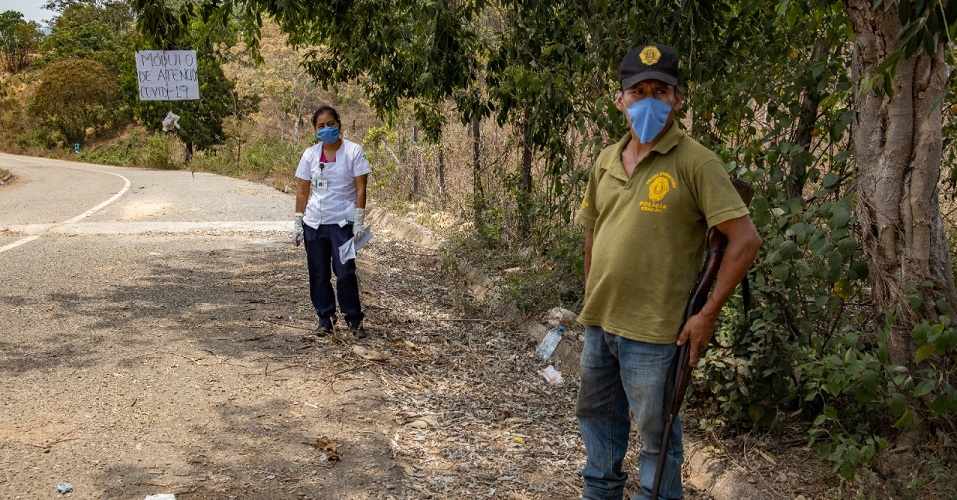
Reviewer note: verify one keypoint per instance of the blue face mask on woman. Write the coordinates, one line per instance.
(328, 135)
(648, 118)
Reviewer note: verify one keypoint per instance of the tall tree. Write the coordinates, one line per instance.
(287, 90)
(900, 77)
(17, 39)
(75, 95)
(62, 5)
(101, 31)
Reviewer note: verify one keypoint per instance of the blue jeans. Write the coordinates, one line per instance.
(618, 373)
(322, 258)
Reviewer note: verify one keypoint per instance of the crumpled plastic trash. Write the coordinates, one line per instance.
(161, 496)
(64, 488)
(552, 375)
(171, 121)
(558, 316)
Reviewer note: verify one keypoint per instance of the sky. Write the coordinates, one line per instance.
(32, 9)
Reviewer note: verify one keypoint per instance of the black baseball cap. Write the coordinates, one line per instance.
(649, 62)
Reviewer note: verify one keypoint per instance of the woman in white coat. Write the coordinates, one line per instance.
(330, 210)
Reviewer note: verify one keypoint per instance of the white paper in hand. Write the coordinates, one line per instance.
(365, 239)
(348, 249)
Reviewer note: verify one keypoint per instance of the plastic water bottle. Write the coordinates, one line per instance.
(550, 342)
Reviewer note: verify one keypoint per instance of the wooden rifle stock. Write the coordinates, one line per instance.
(679, 375)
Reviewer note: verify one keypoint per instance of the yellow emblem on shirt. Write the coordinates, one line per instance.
(649, 55)
(658, 187)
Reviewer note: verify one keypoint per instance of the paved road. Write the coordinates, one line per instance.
(53, 198)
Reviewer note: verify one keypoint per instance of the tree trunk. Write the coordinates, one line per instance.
(478, 197)
(897, 150)
(441, 173)
(797, 174)
(239, 149)
(282, 126)
(414, 192)
(417, 162)
(524, 203)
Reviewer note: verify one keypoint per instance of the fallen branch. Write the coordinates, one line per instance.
(261, 337)
(474, 320)
(289, 325)
(50, 444)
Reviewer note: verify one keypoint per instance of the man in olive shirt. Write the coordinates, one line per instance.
(650, 199)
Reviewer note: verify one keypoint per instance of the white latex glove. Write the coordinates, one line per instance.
(358, 227)
(297, 233)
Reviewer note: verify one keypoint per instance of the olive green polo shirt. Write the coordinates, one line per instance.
(649, 234)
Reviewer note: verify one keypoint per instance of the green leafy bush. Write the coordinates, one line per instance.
(128, 151)
(257, 160)
(158, 153)
(76, 95)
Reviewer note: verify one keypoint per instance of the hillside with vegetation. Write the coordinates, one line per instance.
(482, 119)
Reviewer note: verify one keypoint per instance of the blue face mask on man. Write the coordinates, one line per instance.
(328, 135)
(648, 118)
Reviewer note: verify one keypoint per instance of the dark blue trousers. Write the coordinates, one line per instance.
(322, 257)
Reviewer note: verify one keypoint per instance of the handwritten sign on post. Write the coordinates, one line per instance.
(167, 75)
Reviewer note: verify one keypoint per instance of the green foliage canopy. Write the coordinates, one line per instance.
(99, 31)
(75, 95)
(18, 38)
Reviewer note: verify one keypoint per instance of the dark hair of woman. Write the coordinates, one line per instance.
(325, 109)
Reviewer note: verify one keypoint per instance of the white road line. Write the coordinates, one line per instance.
(17, 243)
(78, 217)
(105, 203)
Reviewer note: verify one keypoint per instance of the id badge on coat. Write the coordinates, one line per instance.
(319, 183)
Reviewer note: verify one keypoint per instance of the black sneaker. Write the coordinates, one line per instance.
(358, 330)
(324, 328)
